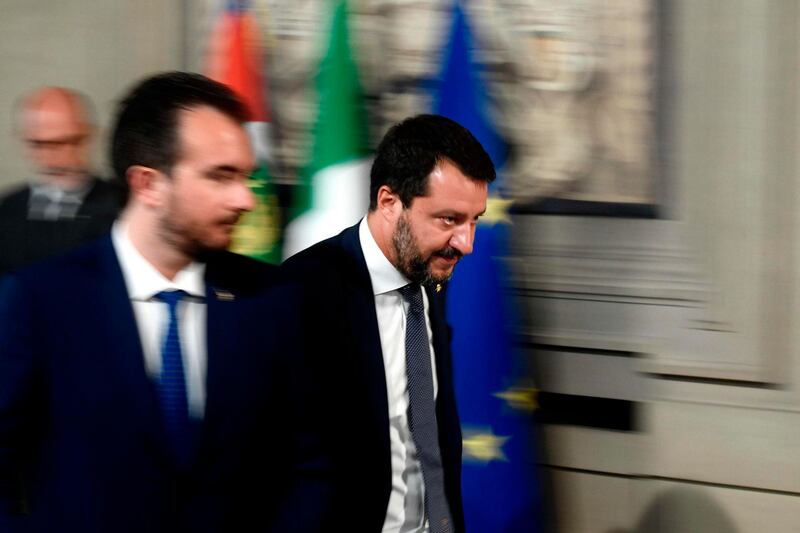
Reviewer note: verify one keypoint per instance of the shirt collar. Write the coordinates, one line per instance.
(383, 274)
(56, 194)
(143, 280)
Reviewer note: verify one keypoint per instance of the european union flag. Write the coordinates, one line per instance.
(500, 482)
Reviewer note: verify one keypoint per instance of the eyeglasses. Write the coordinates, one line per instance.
(55, 144)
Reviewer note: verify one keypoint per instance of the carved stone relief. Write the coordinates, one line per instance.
(571, 81)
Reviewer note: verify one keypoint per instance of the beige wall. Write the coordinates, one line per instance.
(693, 317)
(96, 47)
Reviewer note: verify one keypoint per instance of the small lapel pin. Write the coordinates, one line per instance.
(223, 295)
(438, 287)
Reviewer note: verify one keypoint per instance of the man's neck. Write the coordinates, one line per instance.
(147, 240)
(382, 233)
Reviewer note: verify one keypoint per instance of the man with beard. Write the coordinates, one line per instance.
(140, 376)
(63, 205)
(383, 363)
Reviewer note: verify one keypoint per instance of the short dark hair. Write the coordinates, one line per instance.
(146, 130)
(411, 150)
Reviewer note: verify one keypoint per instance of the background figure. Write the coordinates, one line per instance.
(63, 205)
(384, 355)
(140, 375)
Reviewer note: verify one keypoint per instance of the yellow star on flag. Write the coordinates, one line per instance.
(521, 398)
(484, 446)
(496, 211)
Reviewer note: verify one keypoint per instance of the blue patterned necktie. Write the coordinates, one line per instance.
(422, 410)
(172, 383)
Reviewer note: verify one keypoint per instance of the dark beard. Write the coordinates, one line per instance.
(409, 259)
(181, 239)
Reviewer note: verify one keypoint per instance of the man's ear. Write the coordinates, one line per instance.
(146, 184)
(388, 203)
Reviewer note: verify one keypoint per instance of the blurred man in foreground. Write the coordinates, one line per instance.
(384, 359)
(140, 375)
(63, 205)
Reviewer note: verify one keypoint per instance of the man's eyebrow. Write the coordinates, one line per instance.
(225, 168)
(230, 169)
(448, 213)
(64, 139)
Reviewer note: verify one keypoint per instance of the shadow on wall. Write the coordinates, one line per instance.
(683, 510)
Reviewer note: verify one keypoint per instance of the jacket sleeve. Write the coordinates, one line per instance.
(17, 371)
(303, 502)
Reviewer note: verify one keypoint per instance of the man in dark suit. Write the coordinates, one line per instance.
(383, 361)
(140, 376)
(63, 205)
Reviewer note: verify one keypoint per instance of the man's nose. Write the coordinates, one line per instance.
(243, 199)
(61, 155)
(463, 238)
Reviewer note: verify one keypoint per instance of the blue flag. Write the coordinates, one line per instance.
(500, 481)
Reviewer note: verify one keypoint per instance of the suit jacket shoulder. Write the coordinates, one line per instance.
(332, 261)
(59, 274)
(14, 203)
(104, 199)
(240, 273)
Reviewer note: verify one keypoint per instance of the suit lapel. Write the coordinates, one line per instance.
(119, 343)
(221, 321)
(363, 323)
(227, 348)
(443, 356)
(439, 327)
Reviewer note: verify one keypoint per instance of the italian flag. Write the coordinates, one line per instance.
(334, 187)
(235, 59)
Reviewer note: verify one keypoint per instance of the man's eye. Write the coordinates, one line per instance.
(221, 176)
(43, 145)
(448, 220)
(72, 140)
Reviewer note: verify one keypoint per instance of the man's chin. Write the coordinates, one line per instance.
(438, 275)
(223, 238)
(220, 244)
(442, 263)
(201, 249)
(64, 179)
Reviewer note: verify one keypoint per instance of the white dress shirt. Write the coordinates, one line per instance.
(405, 512)
(143, 282)
(49, 202)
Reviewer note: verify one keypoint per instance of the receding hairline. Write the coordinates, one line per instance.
(52, 97)
(183, 112)
(440, 159)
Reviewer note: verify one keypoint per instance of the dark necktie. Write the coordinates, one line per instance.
(422, 410)
(172, 383)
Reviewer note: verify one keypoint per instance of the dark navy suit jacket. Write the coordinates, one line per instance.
(24, 241)
(80, 433)
(349, 370)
